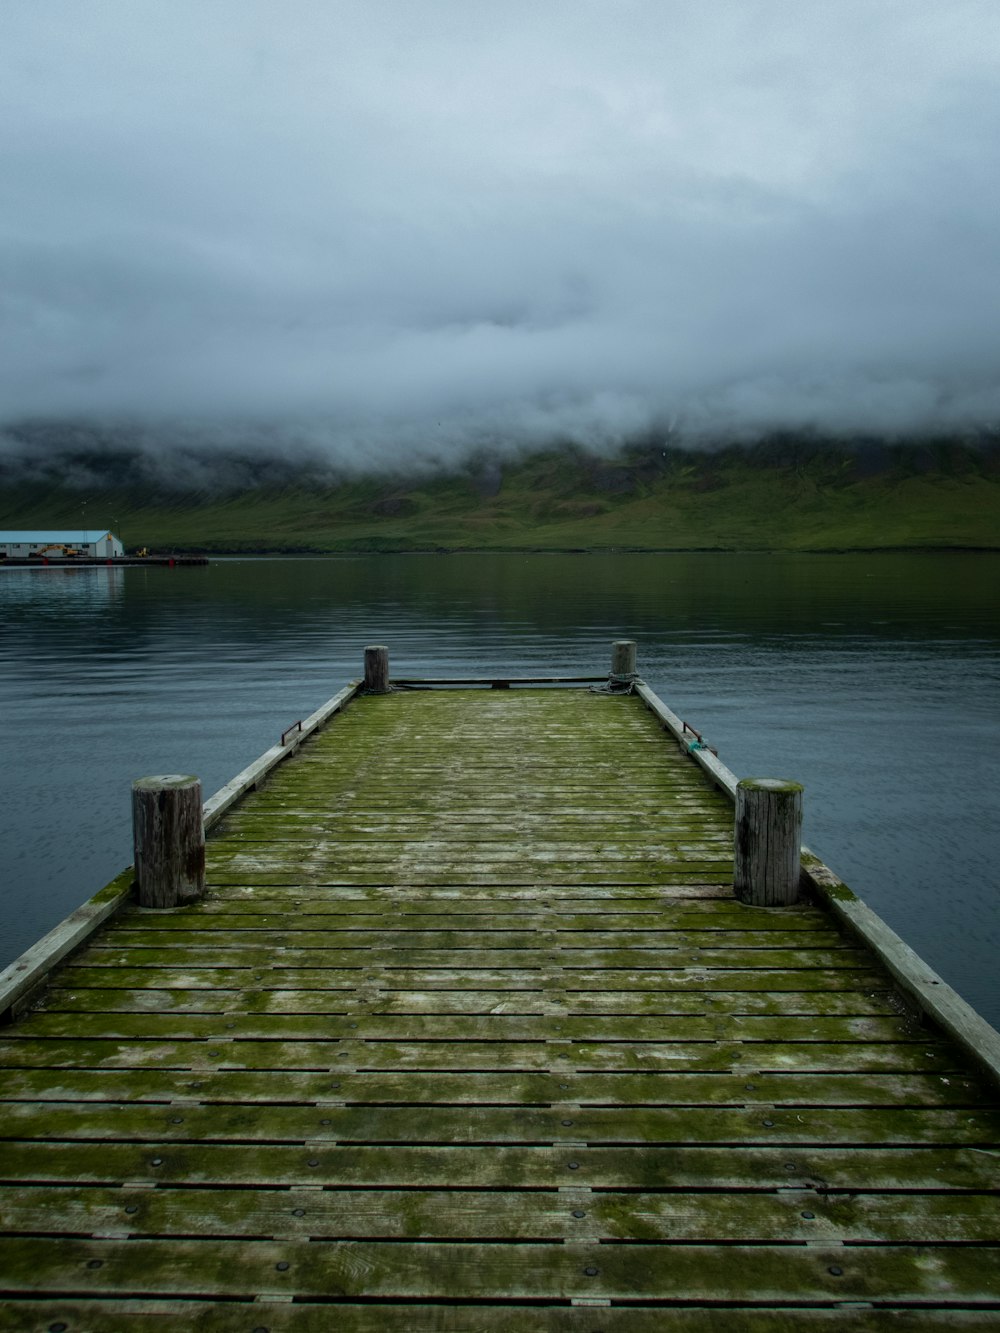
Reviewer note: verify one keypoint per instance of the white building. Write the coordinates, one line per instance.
(95, 543)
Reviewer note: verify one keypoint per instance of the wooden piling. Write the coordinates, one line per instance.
(169, 840)
(623, 656)
(377, 669)
(768, 835)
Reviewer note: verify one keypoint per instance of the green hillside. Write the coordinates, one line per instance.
(773, 496)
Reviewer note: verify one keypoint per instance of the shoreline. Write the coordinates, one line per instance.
(200, 558)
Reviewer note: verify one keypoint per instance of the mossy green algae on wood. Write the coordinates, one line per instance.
(466, 1048)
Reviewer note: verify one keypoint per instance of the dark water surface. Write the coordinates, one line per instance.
(872, 679)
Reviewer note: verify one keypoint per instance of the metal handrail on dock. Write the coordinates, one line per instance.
(473, 1011)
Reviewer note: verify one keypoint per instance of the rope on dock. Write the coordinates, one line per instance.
(617, 683)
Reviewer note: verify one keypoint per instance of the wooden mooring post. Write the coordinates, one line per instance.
(168, 836)
(377, 669)
(623, 657)
(767, 843)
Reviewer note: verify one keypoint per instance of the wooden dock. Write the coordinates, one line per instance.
(470, 1033)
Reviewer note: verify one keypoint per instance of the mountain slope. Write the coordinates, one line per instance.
(774, 496)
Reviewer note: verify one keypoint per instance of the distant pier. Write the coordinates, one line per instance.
(475, 1011)
(93, 562)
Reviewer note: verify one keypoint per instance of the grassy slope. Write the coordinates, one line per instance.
(736, 500)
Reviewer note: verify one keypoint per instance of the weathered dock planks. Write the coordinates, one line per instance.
(470, 1032)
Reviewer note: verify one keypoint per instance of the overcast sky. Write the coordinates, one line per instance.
(393, 222)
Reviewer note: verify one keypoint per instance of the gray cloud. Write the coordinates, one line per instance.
(388, 230)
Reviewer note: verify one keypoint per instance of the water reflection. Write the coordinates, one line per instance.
(61, 590)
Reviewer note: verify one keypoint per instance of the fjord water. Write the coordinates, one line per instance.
(872, 679)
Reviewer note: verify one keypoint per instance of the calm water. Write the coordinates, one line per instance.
(873, 680)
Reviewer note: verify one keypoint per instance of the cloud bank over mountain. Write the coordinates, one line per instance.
(388, 231)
